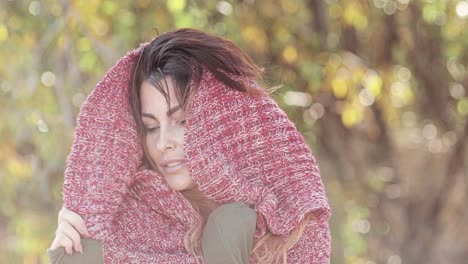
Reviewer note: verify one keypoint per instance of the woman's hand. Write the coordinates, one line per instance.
(69, 231)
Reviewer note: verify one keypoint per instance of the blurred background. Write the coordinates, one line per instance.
(378, 88)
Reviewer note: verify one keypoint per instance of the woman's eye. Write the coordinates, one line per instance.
(183, 122)
(151, 129)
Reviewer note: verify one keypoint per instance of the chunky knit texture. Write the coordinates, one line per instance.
(237, 148)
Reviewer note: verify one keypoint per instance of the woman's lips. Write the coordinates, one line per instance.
(173, 166)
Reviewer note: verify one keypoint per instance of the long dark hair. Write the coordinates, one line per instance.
(184, 55)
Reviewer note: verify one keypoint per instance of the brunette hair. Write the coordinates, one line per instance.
(184, 55)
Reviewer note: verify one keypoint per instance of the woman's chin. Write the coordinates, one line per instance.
(180, 186)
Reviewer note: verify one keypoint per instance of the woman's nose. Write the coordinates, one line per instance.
(166, 140)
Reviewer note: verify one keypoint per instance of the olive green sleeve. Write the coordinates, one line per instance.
(92, 254)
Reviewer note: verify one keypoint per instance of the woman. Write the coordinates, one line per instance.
(217, 138)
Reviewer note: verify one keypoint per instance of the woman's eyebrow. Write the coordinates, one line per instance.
(148, 116)
(169, 113)
(173, 110)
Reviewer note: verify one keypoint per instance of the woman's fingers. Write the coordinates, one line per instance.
(71, 233)
(73, 219)
(68, 231)
(62, 241)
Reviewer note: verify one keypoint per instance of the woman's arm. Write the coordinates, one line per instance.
(72, 234)
(93, 253)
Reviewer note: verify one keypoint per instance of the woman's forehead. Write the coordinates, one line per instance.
(153, 99)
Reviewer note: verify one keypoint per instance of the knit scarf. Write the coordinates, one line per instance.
(237, 148)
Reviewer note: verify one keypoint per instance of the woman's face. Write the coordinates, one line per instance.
(165, 134)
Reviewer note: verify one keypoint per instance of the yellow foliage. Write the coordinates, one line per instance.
(353, 15)
(351, 116)
(290, 7)
(357, 75)
(256, 37)
(84, 44)
(3, 33)
(87, 61)
(109, 7)
(290, 54)
(100, 26)
(340, 87)
(87, 9)
(462, 106)
(373, 83)
(401, 94)
(176, 6)
(60, 42)
(282, 34)
(18, 167)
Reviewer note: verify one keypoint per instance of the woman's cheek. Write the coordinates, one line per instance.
(151, 143)
(180, 134)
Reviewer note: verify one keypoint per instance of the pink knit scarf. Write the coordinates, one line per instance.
(237, 148)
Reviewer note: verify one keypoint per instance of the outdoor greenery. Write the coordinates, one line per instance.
(379, 89)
